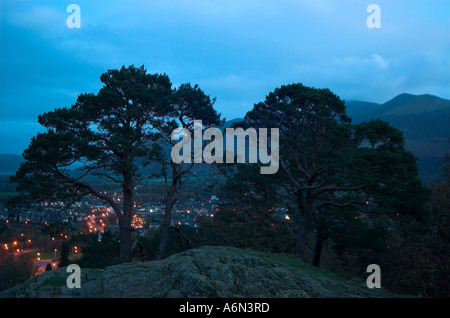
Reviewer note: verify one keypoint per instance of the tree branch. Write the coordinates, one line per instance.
(88, 187)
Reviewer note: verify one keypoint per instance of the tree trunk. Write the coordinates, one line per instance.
(125, 220)
(318, 251)
(125, 240)
(301, 237)
(322, 233)
(165, 226)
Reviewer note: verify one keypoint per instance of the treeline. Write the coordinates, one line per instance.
(349, 194)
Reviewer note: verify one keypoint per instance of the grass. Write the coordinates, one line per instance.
(7, 194)
(56, 281)
(287, 260)
(49, 255)
(284, 259)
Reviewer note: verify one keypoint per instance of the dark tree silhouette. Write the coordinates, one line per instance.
(189, 103)
(110, 134)
(64, 256)
(326, 162)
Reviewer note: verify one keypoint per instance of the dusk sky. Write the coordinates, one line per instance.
(236, 50)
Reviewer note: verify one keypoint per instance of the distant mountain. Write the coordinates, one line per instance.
(424, 119)
(229, 123)
(10, 163)
(417, 115)
(358, 110)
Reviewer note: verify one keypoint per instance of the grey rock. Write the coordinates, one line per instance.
(203, 272)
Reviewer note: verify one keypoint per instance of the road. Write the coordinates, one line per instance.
(26, 251)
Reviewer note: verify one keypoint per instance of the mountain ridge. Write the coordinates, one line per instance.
(424, 120)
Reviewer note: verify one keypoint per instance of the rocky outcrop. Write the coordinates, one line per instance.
(203, 272)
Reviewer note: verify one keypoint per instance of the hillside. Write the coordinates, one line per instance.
(203, 272)
(424, 119)
(358, 110)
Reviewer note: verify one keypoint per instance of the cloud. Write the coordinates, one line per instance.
(379, 61)
(374, 60)
(36, 17)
